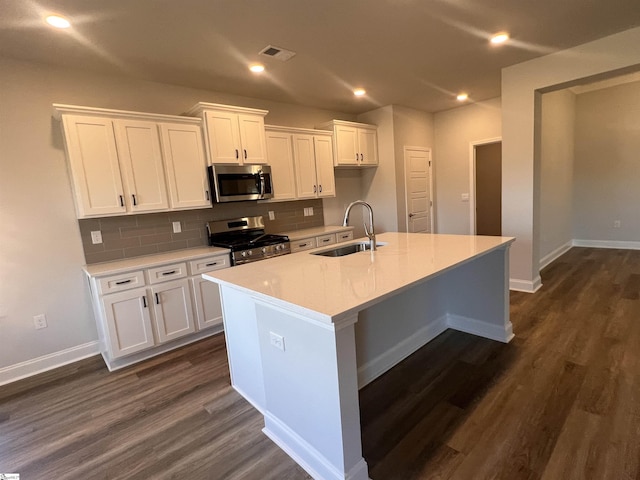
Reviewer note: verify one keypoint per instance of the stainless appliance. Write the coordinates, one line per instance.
(235, 183)
(246, 239)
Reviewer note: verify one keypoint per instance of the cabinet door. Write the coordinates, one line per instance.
(280, 156)
(172, 310)
(346, 139)
(252, 139)
(323, 149)
(128, 322)
(207, 302)
(185, 165)
(303, 153)
(93, 160)
(223, 136)
(368, 146)
(141, 163)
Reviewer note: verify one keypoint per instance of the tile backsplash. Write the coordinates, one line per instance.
(136, 235)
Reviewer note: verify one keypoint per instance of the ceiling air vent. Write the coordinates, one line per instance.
(277, 52)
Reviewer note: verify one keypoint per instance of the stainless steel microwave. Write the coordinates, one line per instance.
(236, 183)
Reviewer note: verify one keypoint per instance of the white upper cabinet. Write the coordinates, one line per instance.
(94, 166)
(141, 165)
(119, 165)
(280, 154)
(185, 165)
(323, 148)
(234, 135)
(313, 155)
(356, 144)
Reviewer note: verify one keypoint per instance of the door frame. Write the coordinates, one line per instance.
(430, 172)
(472, 178)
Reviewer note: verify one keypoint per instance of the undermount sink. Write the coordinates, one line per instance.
(346, 249)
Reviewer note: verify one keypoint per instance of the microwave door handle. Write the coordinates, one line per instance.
(262, 184)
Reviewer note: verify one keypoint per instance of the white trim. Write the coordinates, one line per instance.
(528, 286)
(430, 173)
(499, 333)
(472, 179)
(60, 109)
(550, 257)
(387, 360)
(308, 457)
(48, 362)
(623, 245)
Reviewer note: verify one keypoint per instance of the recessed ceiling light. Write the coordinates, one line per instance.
(256, 68)
(359, 92)
(462, 97)
(499, 38)
(58, 21)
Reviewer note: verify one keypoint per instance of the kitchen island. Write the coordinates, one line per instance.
(304, 332)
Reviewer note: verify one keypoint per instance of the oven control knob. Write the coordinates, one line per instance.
(264, 249)
(278, 247)
(250, 252)
(244, 254)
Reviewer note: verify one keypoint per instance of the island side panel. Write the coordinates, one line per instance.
(311, 394)
(478, 296)
(243, 349)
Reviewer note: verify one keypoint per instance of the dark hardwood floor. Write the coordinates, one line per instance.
(561, 401)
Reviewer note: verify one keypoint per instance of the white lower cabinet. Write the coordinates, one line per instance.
(147, 312)
(315, 241)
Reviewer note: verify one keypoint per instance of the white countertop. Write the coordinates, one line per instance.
(330, 288)
(314, 232)
(128, 264)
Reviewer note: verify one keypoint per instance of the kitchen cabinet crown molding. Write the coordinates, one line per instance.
(305, 131)
(344, 123)
(200, 107)
(60, 109)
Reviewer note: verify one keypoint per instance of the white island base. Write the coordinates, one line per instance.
(305, 332)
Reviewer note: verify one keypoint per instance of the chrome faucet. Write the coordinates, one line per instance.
(369, 232)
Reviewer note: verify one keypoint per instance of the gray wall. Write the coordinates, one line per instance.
(41, 252)
(454, 131)
(556, 171)
(607, 164)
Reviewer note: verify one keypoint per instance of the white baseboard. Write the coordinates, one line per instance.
(623, 245)
(499, 333)
(380, 364)
(527, 286)
(550, 257)
(305, 455)
(42, 364)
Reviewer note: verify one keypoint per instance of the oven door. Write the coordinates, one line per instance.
(231, 183)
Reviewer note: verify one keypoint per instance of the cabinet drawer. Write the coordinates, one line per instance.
(345, 236)
(167, 272)
(196, 267)
(121, 282)
(324, 240)
(304, 244)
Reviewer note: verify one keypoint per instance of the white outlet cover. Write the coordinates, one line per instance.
(277, 340)
(96, 237)
(177, 227)
(272, 215)
(311, 211)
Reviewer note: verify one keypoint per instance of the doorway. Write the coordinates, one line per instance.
(486, 187)
(418, 189)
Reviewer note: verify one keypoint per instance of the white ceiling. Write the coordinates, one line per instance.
(417, 53)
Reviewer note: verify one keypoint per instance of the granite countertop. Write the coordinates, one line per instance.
(328, 288)
(119, 266)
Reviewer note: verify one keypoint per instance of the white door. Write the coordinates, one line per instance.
(141, 163)
(254, 149)
(93, 158)
(417, 163)
(346, 145)
(323, 152)
(207, 302)
(128, 322)
(223, 136)
(304, 157)
(172, 308)
(280, 155)
(368, 146)
(186, 165)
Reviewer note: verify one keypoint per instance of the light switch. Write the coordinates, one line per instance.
(465, 197)
(177, 228)
(277, 340)
(96, 237)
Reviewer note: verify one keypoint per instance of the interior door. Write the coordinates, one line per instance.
(418, 190)
(488, 189)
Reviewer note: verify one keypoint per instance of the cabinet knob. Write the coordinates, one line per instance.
(320, 188)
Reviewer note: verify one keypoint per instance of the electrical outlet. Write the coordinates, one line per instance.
(40, 321)
(272, 215)
(177, 228)
(277, 340)
(96, 237)
(464, 197)
(616, 224)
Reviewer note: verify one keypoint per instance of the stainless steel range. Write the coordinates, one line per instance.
(246, 239)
